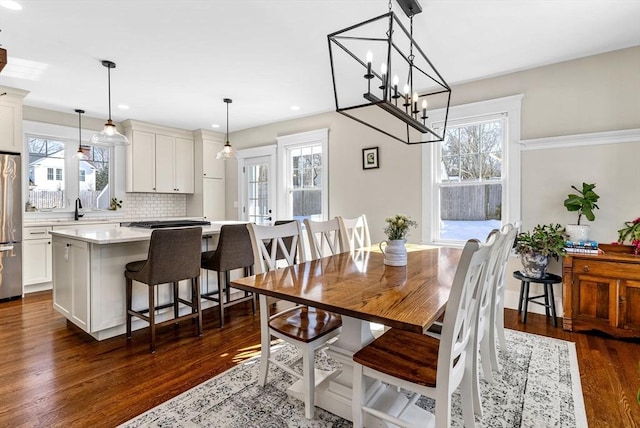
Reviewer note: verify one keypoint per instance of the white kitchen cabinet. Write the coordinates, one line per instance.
(208, 198)
(11, 119)
(36, 258)
(159, 159)
(141, 174)
(71, 277)
(212, 167)
(213, 199)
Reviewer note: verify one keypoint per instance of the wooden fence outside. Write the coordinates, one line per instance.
(482, 202)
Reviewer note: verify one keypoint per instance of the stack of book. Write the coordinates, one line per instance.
(581, 247)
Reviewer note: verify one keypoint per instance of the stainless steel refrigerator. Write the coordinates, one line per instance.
(10, 227)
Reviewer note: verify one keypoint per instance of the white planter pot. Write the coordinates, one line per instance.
(578, 232)
(395, 252)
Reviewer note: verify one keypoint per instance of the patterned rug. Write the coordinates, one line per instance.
(539, 386)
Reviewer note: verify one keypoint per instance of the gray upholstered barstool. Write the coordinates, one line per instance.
(174, 255)
(233, 252)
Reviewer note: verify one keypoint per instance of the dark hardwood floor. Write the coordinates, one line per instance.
(54, 375)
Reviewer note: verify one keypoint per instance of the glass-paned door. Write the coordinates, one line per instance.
(258, 204)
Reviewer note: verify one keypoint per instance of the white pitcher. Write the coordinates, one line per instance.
(395, 252)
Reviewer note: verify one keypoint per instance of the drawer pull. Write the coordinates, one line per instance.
(585, 268)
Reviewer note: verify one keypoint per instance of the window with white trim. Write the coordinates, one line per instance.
(303, 180)
(56, 177)
(472, 178)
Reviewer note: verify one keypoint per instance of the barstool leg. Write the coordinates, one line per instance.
(176, 311)
(220, 299)
(195, 301)
(152, 320)
(553, 305)
(526, 301)
(129, 294)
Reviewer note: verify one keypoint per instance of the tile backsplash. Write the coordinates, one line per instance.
(152, 205)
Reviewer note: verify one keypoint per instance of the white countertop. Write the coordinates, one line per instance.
(125, 234)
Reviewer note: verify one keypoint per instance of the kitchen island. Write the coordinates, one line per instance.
(88, 276)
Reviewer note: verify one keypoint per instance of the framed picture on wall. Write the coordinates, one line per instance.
(370, 158)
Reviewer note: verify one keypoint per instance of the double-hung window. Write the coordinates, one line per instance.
(57, 177)
(472, 179)
(303, 176)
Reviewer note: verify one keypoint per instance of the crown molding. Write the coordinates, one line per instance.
(578, 140)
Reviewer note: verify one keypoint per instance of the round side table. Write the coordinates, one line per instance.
(549, 303)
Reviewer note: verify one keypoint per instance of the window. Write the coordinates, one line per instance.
(304, 180)
(472, 178)
(57, 178)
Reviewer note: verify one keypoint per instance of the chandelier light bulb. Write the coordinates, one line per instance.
(405, 89)
(369, 57)
(383, 68)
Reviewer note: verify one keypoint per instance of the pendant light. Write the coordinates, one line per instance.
(227, 151)
(109, 136)
(80, 155)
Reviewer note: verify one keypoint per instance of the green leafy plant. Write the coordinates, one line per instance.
(398, 226)
(547, 239)
(630, 231)
(584, 201)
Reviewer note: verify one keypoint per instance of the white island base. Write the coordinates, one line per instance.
(89, 282)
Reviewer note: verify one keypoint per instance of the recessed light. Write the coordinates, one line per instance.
(10, 4)
(123, 107)
(295, 108)
(215, 125)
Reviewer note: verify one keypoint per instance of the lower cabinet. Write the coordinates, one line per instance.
(71, 270)
(36, 257)
(602, 292)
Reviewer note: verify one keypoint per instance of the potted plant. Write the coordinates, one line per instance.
(584, 201)
(397, 229)
(631, 232)
(537, 246)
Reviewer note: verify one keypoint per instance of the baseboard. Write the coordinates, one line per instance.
(33, 288)
(511, 300)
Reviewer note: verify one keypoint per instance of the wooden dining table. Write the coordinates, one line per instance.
(360, 287)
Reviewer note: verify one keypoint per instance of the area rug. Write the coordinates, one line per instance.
(539, 386)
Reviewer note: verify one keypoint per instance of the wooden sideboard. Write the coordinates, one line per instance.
(602, 292)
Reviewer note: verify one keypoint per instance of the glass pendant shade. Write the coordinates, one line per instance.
(227, 151)
(109, 136)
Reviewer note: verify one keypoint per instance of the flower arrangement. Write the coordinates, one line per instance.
(398, 226)
(630, 231)
(547, 239)
(114, 204)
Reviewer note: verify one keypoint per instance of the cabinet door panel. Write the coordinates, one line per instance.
(62, 290)
(10, 126)
(213, 199)
(593, 298)
(184, 150)
(143, 168)
(630, 304)
(36, 261)
(212, 167)
(165, 164)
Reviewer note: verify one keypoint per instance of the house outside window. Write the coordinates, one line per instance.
(472, 178)
(83, 175)
(46, 181)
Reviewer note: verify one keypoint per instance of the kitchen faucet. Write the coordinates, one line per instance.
(78, 206)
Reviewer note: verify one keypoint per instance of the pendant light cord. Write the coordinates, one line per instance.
(109, 89)
(227, 136)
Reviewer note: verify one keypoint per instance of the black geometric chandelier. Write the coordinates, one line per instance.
(384, 80)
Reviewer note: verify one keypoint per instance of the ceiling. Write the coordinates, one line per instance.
(176, 60)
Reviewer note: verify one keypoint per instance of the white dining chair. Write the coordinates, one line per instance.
(496, 322)
(307, 328)
(326, 238)
(425, 365)
(357, 232)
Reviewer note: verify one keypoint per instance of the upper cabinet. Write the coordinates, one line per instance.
(159, 159)
(11, 119)
(208, 198)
